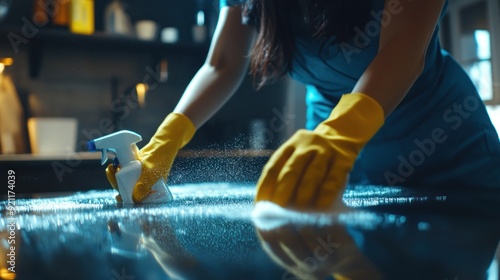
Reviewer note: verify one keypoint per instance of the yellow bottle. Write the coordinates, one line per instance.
(82, 16)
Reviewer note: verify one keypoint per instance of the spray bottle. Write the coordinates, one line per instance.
(122, 144)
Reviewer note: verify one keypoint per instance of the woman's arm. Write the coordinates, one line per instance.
(403, 45)
(222, 72)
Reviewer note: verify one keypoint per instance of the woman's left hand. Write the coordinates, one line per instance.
(308, 171)
(311, 168)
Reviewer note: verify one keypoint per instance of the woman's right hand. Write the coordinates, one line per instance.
(158, 155)
(216, 81)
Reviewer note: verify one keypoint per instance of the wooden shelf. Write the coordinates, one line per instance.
(102, 40)
(97, 41)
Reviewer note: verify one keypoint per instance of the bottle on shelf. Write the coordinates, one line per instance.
(82, 16)
(40, 15)
(51, 13)
(61, 16)
(116, 20)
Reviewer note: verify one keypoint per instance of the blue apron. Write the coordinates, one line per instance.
(439, 135)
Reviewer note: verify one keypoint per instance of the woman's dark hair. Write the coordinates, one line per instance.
(278, 20)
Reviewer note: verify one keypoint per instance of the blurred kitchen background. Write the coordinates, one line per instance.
(75, 70)
(82, 69)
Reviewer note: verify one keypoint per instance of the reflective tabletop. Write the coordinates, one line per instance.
(215, 231)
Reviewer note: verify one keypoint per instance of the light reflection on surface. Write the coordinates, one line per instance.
(214, 231)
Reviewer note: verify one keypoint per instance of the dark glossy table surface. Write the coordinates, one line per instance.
(214, 231)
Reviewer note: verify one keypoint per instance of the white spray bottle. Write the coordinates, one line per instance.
(122, 144)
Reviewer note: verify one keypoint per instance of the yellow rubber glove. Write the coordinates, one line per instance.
(312, 167)
(158, 155)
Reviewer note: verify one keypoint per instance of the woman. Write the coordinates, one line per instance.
(385, 104)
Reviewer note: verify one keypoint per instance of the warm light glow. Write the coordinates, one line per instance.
(141, 90)
(6, 274)
(7, 61)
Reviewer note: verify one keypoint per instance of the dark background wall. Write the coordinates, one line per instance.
(80, 78)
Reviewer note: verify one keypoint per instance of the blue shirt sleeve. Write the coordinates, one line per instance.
(231, 2)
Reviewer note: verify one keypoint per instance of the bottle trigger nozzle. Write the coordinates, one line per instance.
(104, 156)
